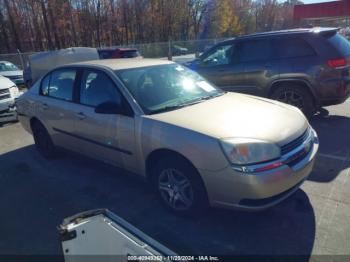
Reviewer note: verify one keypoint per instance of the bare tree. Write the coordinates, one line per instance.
(13, 26)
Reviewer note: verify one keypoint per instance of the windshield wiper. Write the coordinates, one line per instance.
(200, 99)
(192, 102)
(166, 108)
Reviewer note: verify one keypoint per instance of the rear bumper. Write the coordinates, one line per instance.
(334, 101)
(255, 191)
(333, 92)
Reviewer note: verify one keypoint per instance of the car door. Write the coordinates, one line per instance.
(105, 136)
(218, 67)
(260, 68)
(55, 108)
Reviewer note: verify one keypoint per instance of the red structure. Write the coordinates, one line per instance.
(328, 10)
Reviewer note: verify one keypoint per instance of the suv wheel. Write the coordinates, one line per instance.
(43, 141)
(179, 187)
(296, 96)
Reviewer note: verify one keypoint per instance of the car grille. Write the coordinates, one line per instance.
(295, 143)
(4, 94)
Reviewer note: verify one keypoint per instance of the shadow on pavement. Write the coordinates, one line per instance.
(333, 132)
(37, 194)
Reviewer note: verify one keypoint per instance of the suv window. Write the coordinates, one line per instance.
(254, 50)
(292, 47)
(222, 55)
(59, 84)
(96, 88)
(339, 42)
(105, 54)
(129, 53)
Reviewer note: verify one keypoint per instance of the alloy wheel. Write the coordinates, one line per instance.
(292, 98)
(175, 189)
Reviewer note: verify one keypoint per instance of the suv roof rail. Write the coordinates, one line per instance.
(291, 31)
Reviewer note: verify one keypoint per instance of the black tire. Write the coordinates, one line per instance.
(297, 96)
(43, 141)
(199, 200)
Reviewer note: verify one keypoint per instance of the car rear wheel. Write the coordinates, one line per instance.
(296, 96)
(43, 141)
(180, 187)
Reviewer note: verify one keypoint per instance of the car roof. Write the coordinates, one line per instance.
(285, 32)
(116, 48)
(125, 63)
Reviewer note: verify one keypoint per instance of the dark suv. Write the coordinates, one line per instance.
(308, 68)
(111, 52)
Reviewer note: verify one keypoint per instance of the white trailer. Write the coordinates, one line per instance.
(100, 235)
(42, 62)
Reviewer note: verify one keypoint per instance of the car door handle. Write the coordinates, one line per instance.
(81, 115)
(44, 106)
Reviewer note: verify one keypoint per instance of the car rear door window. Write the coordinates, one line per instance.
(254, 50)
(97, 88)
(292, 47)
(59, 84)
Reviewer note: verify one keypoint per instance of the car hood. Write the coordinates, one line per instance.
(5, 83)
(11, 73)
(242, 116)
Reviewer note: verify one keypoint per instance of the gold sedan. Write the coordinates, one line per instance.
(198, 145)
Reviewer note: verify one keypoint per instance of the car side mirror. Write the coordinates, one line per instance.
(202, 63)
(109, 108)
(198, 63)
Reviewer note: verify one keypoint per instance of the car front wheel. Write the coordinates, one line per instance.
(179, 187)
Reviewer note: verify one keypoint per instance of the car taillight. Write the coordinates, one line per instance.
(339, 62)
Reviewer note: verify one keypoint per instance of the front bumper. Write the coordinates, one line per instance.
(8, 113)
(254, 191)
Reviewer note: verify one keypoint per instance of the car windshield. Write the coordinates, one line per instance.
(7, 66)
(166, 87)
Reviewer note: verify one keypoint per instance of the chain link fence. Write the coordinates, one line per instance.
(19, 59)
(172, 50)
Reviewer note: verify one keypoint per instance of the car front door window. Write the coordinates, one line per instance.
(220, 56)
(97, 88)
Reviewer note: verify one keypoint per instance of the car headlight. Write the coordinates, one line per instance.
(14, 91)
(243, 151)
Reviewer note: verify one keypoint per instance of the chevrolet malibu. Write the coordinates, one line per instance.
(197, 145)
